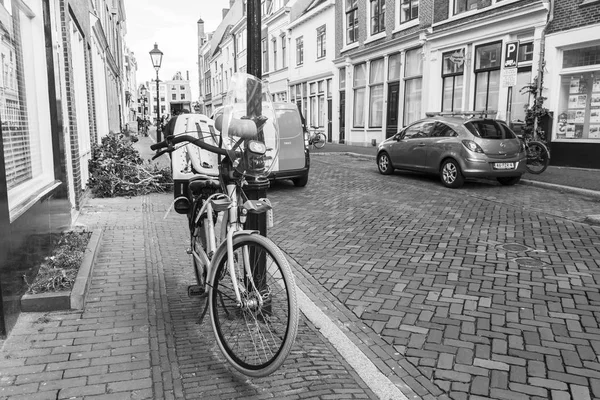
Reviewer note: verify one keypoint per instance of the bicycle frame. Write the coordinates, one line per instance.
(233, 225)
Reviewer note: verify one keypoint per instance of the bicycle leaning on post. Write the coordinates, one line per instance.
(246, 278)
(538, 154)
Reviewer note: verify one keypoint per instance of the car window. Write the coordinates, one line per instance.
(443, 130)
(419, 130)
(489, 129)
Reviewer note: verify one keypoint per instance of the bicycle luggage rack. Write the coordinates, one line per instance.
(464, 114)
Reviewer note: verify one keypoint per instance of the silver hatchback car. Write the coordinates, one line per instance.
(455, 148)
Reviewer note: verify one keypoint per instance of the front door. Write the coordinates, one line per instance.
(392, 111)
(342, 117)
(329, 132)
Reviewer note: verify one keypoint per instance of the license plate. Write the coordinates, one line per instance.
(504, 165)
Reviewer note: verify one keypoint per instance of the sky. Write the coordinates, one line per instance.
(172, 25)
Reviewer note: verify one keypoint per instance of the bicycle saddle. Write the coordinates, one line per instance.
(242, 128)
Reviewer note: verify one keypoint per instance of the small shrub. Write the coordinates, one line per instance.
(58, 271)
(116, 169)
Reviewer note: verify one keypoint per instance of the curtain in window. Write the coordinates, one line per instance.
(376, 93)
(360, 72)
(413, 85)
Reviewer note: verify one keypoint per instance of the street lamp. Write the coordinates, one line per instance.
(143, 96)
(156, 56)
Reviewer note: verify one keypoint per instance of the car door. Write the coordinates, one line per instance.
(410, 150)
(441, 142)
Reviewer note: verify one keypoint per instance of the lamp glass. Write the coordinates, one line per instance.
(156, 56)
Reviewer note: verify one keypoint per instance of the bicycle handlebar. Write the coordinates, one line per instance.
(171, 140)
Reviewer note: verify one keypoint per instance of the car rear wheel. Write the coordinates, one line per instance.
(450, 174)
(384, 164)
(509, 180)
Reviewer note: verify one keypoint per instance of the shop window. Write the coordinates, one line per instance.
(579, 106)
(376, 93)
(581, 57)
(359, 85)
(351, 21)
(413, 83)
(25, 133)
(453, 68)
(487, 76)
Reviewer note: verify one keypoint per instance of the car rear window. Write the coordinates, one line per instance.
(490, 129)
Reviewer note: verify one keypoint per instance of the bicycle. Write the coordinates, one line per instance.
(317, 139)
(538, 155)
(248, 281)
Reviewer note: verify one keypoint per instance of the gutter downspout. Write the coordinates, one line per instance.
(542, 62)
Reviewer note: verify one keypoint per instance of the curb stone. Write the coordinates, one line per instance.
(67, 300)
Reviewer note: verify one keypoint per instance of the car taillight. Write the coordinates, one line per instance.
(471, 145)
(306, 144)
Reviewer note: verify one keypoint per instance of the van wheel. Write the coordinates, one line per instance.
(450, 174)
(300, 182)
(509, 180)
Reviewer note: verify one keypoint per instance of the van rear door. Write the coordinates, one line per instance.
(291, 138)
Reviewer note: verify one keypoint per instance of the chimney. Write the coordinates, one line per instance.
(201, 33)
(187, 75)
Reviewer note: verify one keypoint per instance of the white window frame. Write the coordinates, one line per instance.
(400, 26)
(370, 37)
(24, 195)
(494, 4)
(355, 44)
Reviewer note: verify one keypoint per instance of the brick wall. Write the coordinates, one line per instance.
(569, 14)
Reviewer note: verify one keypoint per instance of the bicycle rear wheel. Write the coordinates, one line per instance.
(319, 140)
(256, 336)
(538, 158)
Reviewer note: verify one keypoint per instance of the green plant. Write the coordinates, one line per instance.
(58, 271)
(116, 169)
(534, 113)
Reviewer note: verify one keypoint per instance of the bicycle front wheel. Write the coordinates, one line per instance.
(319, 140)
(257, 335)
(538, 158)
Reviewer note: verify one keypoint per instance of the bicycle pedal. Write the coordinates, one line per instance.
(196, 291)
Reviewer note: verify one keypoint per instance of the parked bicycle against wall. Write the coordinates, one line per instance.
(247, 279)
(317, 138)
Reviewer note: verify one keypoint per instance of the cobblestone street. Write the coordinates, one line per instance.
(486, 291)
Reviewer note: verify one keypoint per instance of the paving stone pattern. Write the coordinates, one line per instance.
(138, 337)
(425, 268)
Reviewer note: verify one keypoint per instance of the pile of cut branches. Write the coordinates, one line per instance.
(116, 169)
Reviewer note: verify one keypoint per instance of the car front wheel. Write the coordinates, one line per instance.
(509, 180)
(384, 164)
(450, 174)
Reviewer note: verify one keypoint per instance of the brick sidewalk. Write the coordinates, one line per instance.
(138, 337)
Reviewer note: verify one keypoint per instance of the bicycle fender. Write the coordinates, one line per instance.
(223, 249)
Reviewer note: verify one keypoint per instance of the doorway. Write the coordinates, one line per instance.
(392, 110)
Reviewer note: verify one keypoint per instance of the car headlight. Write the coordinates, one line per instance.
(472, 146)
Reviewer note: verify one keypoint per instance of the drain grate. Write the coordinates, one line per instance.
(514, 247)
(529, 262)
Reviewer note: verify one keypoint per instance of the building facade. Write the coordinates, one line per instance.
(55, 102)
(572, 82)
